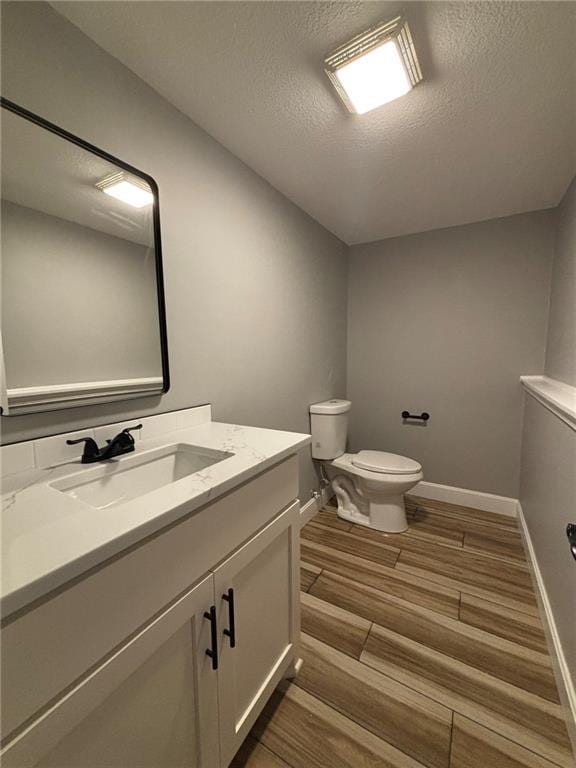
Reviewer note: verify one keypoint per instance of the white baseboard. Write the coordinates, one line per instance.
(308, 510)
(566, 685)
(487, 502)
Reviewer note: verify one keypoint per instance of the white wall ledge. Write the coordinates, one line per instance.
(558, 397)
(56, 396)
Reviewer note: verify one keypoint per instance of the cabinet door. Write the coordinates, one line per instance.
(256, 592)
(152, 703)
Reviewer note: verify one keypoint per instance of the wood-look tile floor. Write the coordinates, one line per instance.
(421, 650)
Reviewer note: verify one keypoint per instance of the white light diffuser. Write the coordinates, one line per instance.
(375, 67)
(375, 78)
(128, 189)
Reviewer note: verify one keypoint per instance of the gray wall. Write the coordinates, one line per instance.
(548, 499)
(77, 304)
(561, 347)
(446, 322)
(256, 290)
(548, 479)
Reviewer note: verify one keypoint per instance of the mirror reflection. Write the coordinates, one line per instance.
(82, 305)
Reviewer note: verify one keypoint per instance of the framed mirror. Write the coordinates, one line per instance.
(83, 314)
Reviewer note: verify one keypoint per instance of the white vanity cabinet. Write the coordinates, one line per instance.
(258, 594)
(152, 703)
(183, 688)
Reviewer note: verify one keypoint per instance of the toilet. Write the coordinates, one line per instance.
(369, 485)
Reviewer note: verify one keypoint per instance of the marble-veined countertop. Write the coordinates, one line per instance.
(50, 537)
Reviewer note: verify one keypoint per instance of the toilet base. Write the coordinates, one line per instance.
(385, 514)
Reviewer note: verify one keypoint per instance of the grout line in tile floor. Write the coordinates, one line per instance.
(366, 639)
(451, 738)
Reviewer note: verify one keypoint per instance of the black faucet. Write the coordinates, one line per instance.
(119, 445)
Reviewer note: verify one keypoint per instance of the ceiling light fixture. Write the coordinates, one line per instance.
(375, 67)
(128, 189)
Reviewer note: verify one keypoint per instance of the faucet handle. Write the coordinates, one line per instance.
(131, 429)
(128, 439)
(91, 449)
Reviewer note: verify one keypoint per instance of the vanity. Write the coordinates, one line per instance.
(150, 595)
(149, 611)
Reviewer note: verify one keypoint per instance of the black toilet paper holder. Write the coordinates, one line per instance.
(422, 417)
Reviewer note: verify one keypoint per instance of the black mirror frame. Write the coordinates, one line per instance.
(40, 121)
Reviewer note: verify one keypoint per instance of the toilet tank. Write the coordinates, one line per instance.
(329, 427)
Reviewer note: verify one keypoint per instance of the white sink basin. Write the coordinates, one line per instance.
(120, 480)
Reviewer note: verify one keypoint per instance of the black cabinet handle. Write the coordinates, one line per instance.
(231, 631)
(571, 533)
(212, 652)
(422, 417)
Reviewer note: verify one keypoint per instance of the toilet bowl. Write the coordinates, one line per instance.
(369, 485)
(370, 488)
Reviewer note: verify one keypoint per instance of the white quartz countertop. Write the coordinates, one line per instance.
(49, 537)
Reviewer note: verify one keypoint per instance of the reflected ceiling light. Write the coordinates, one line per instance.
(375, 67)
(128, 189)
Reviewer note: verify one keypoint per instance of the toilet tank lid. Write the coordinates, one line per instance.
(388, 463)
(331, 407)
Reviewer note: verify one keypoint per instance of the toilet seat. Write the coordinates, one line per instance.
(385, 463)
(347, 463)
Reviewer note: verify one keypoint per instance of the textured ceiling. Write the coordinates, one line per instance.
(490, 132)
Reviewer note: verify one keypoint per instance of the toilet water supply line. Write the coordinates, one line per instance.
(324, 481)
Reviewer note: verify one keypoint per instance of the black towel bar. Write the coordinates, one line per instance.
(423, 416)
